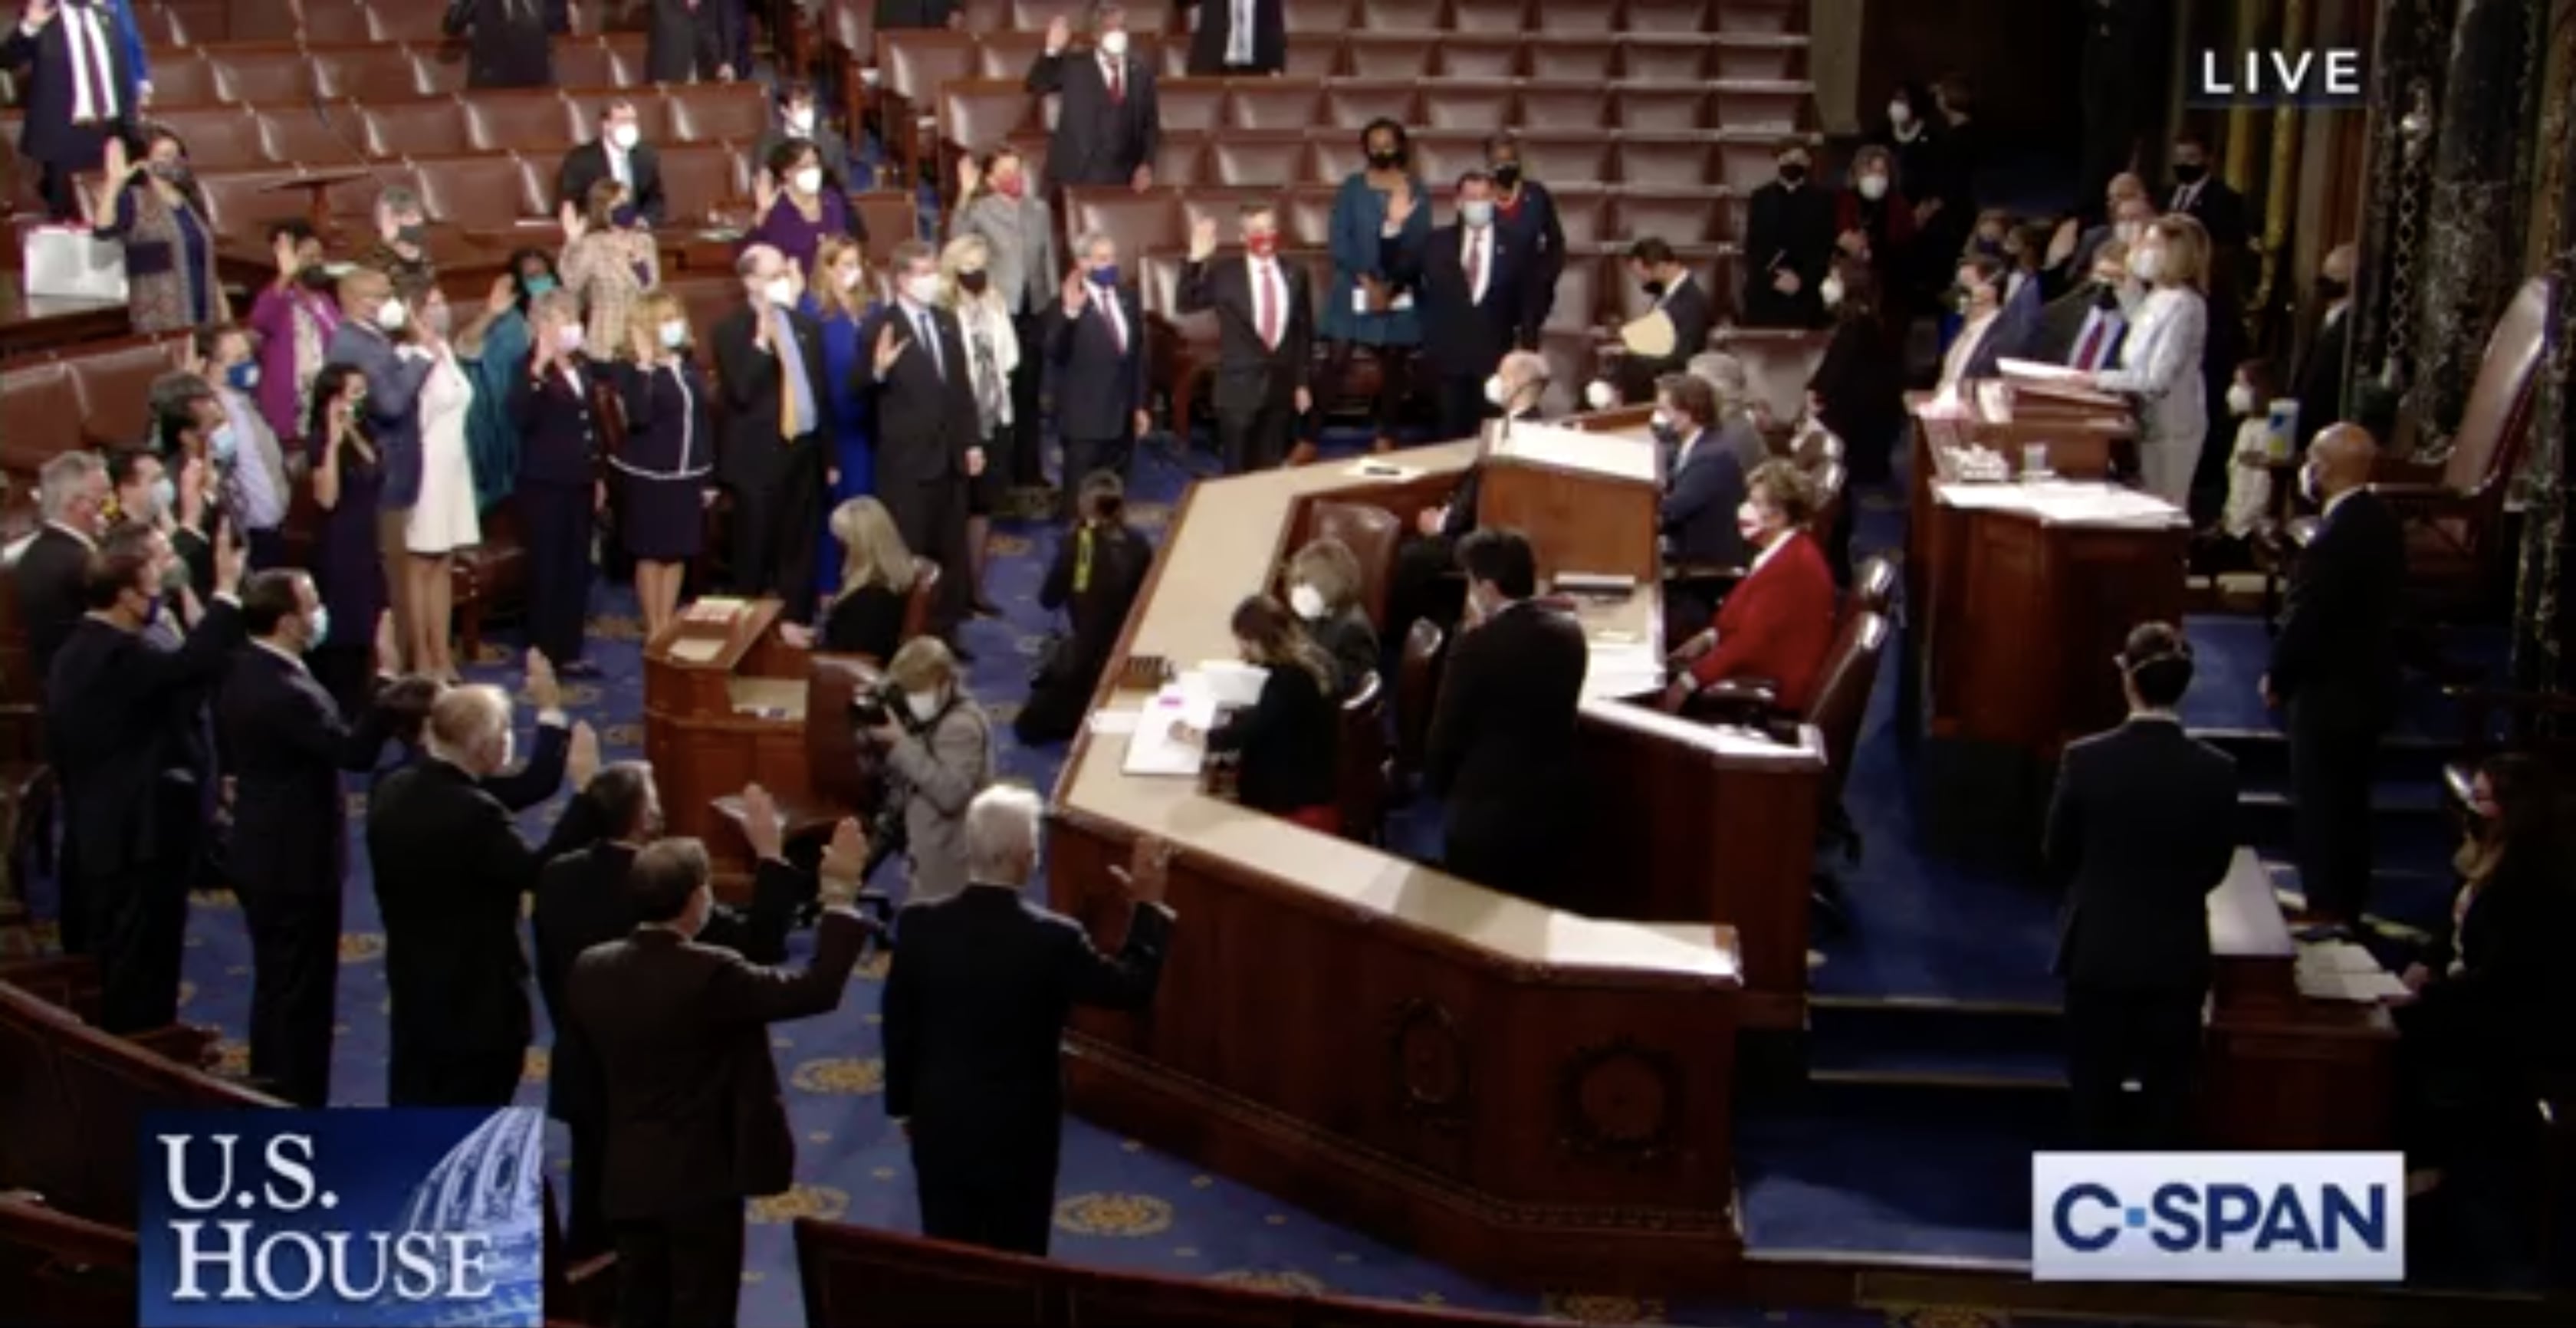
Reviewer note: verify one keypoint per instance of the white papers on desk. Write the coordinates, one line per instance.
(1224, 682)
(1616, 668)
(2036, 370)
(1115, 721)
(2343, 971)
(1368, 469)
(2066, 503)
(1616, 456)
(1151, 748)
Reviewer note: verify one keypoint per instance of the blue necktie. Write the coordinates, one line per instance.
(930, 342)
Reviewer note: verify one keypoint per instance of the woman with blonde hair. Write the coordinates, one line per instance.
(939, 750)
(609, 260)
(1324, 584)
(992, 353)
(839, 299)
(865, 616)
(664, 468)
(2160, 359)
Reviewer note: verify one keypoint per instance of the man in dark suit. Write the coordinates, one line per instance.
(1108, 124)
(87, 79)
(1991, 331)
(1703, 476)
(558, 494)
(1430, 551)
(1265, 338)
(975, 1004)
(1095, 341)
(1788, 246)
(1236, 38)
(584, 900)
(898, 15)
(769, 370)
(1667, 281)
(286, 743)
(2334, 668)
(2318, 380)
(1472, 294)
(116, 707)
(451, 877)
(2083, 328)
(928, 433)
(621, 154)
(508, 40)
(1501, 749)
(72, 491)
(693, 1118)
(693, 41)
(2140, 830)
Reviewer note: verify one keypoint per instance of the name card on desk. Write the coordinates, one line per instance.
(1612, 456)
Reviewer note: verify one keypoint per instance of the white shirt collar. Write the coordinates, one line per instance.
(1768, 550)
(282, 652)
(2337, 500)
(85, 541)
(2154, 715)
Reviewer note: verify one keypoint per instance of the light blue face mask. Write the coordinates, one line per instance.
(165, 496)
(223, 444)
(321, 628)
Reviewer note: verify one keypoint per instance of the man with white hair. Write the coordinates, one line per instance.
(1428, 555)
(975, 1005)
(451, 876)
(1738, 423)
(72, 491)
(769, 365)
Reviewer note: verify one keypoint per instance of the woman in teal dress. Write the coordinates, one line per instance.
(838, 298)
(1366, 309)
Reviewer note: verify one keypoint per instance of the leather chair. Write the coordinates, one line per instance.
(1190, 105)
(478, 191)
(1360, 783)
(1478, 57)
(1594, 19)
(1443, 154)
(1647, 108)
(1318, 58)
(1745, 160)
(400, 20)
(264, 76)
(1560, 161)
(296, 135)
(892, 216)
(1140, 223)
(1467, 106)
(376, 73)
(626, 63)
(1762, 16)
(113, 388)
(1874, 586)
(1779, 105)
(1315, 18)
(912, 66)
(1350, 104)
(1250, 160)
(430, 127)
(254, 22)
(1223, 205)
(1277, 104)
(183, 78)
(977, 113)
(727, 112)
(218, 137)
(1562, 106)
(1181, 160)
(335, 21)
(1417, 690)
(1682, 216)
(1489, 16)
(1406, 16)
(1758, 56)
(1663, 163)
(986, 15)
(1377, 53)
(1583, 210)
(698, 178)
(1371, 533)
(1591, 60)
(1665, 16)
(531, 120)
(43, 410)
(845, 775)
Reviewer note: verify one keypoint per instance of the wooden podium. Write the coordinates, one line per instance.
(2281, 1069)
(724, 706)
(1587, 500)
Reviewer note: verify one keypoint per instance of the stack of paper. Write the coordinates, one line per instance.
(1224, 682)
(1621, 669)
(1151, 747)
(2343, 971)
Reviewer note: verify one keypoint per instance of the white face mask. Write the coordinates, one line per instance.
(1873, 187)
(801, 123)
(674, 335)
(1477, 213)
(850, 278)
(1831, 291)
(2127, 231)
(923, 705)
(625, 137)
(807, 179)
(2145, 264)
(1307, 601)
(1114, 42)
(1659, 421)
(922, 288)
(391, 315)
(568, 337)
(2240, 400)
(1899, 114)
(781, 291)
(1748, 522)
(1599, 395)
(1497, 392)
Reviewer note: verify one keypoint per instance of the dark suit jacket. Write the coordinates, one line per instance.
(451, 872)
(587, 165)
(1351, 639)
(681, 1032)
(1787, 230)
(1501, 748)
(1698, 511)
(558, 439)
(1098, 386)
(119, 715)
(286, 743)
(1251, 376)
(1460, 337)
(1538, 231)
(2319, 380)
(1098, 141)
(2141, 828)
(2219, 209)
(926, 418)
(1216, 30)
(50, 572)
(2061, 329)
(754, 454)
(893, 15)
(1288, 741)
(681, 43)
(48, 134)
(583, 901)
(506, 49)
(975, 1005)
(1861, 382)
(2337, 643)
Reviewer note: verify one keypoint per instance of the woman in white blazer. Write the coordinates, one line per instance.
(2160, 359)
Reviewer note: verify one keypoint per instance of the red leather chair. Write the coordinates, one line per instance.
(1316, 18)
(114, 388)
(1181, 160)
(1664, 60)
(431, 127)
(1665, 16)
(1489, 15)
(1561, 106)
(1478, 105)
(1351, 103)
(1246, 160)
(1681, 216)
(1399, 15)
(182, 78)
(1778, 105)
(1594, 17)
(1139, 222)
(335, 22)
(1274, 104)
(1567, 160)
(1758, 56)
(1377, 53)
(376, 73)
(536, 120)
(730, 112)
(1659, 162)
(1764, 16)
(1463, 56)
(1645, 108)
(263, 75)
(1584, 212)
(699, 178)
(482, 191)
(1190, 105)
(1590, 60)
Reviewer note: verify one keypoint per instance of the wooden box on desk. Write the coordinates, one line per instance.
(1586, 500)
(724, 706)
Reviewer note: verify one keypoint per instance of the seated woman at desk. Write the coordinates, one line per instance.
(1778, 624)
(1289, 740)
(865, 616)
(1098, 572)
(2486, 1022)
(1324, 589)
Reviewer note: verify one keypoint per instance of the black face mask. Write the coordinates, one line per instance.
(1506, 174)
(415, 235)
(973, 283)
(1654, 288)
(2106, 297)
(1792, 173)
(1386, 159)
(2333, 288)
(1666, 434)
(2191, 172)
(316, 277)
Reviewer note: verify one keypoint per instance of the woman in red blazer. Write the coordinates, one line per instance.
(1778, 624)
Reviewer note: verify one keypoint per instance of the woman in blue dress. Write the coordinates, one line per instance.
(838, 298)
(1367, 309)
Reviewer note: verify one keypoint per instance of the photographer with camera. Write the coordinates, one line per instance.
(939, 755)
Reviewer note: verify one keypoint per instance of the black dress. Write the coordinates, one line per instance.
(866, 621)
(1289, 740)
(663, 468)
(1860, 388)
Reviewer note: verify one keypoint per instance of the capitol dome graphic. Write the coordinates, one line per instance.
(488, 1185)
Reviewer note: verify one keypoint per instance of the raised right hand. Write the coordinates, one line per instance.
(1059, 34)
(889, 348)
(284, 251)
(40, 12)
(847, 855)
(764, 191)
(1202, 239)
(543, 691)
(230, 556)
(581, 762)
(761, 823)
(574, 224)
(1148, 873)
(969, 175)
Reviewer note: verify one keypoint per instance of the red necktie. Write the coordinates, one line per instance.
(2092, 347)
(1118, 83)
(1268, 307)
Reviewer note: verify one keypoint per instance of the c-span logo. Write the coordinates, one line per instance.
(2218, 1217)
(375, 1218)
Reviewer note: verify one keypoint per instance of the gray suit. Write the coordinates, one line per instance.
(942, 774)
(393, 403)
(1021, 234)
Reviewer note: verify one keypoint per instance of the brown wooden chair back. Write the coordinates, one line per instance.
(64, 1271)
(1417, 690)
(841, 769)
(1842, 695)
(925, 593)
(2497, 418)
(1371, 532)
(1360, 786)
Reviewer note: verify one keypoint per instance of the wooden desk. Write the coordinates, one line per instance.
(2010, 648)
(1588, 502)
(1527, 1094)
(30, 324)
(714, 724)
(2281, 1070)
(2081, 446)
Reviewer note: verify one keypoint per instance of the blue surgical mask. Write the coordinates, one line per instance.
(243, 377)
(1105, 275)
(321, 626)
(1477, 213)
(538, 284)
(674, 335)
(222, 444)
